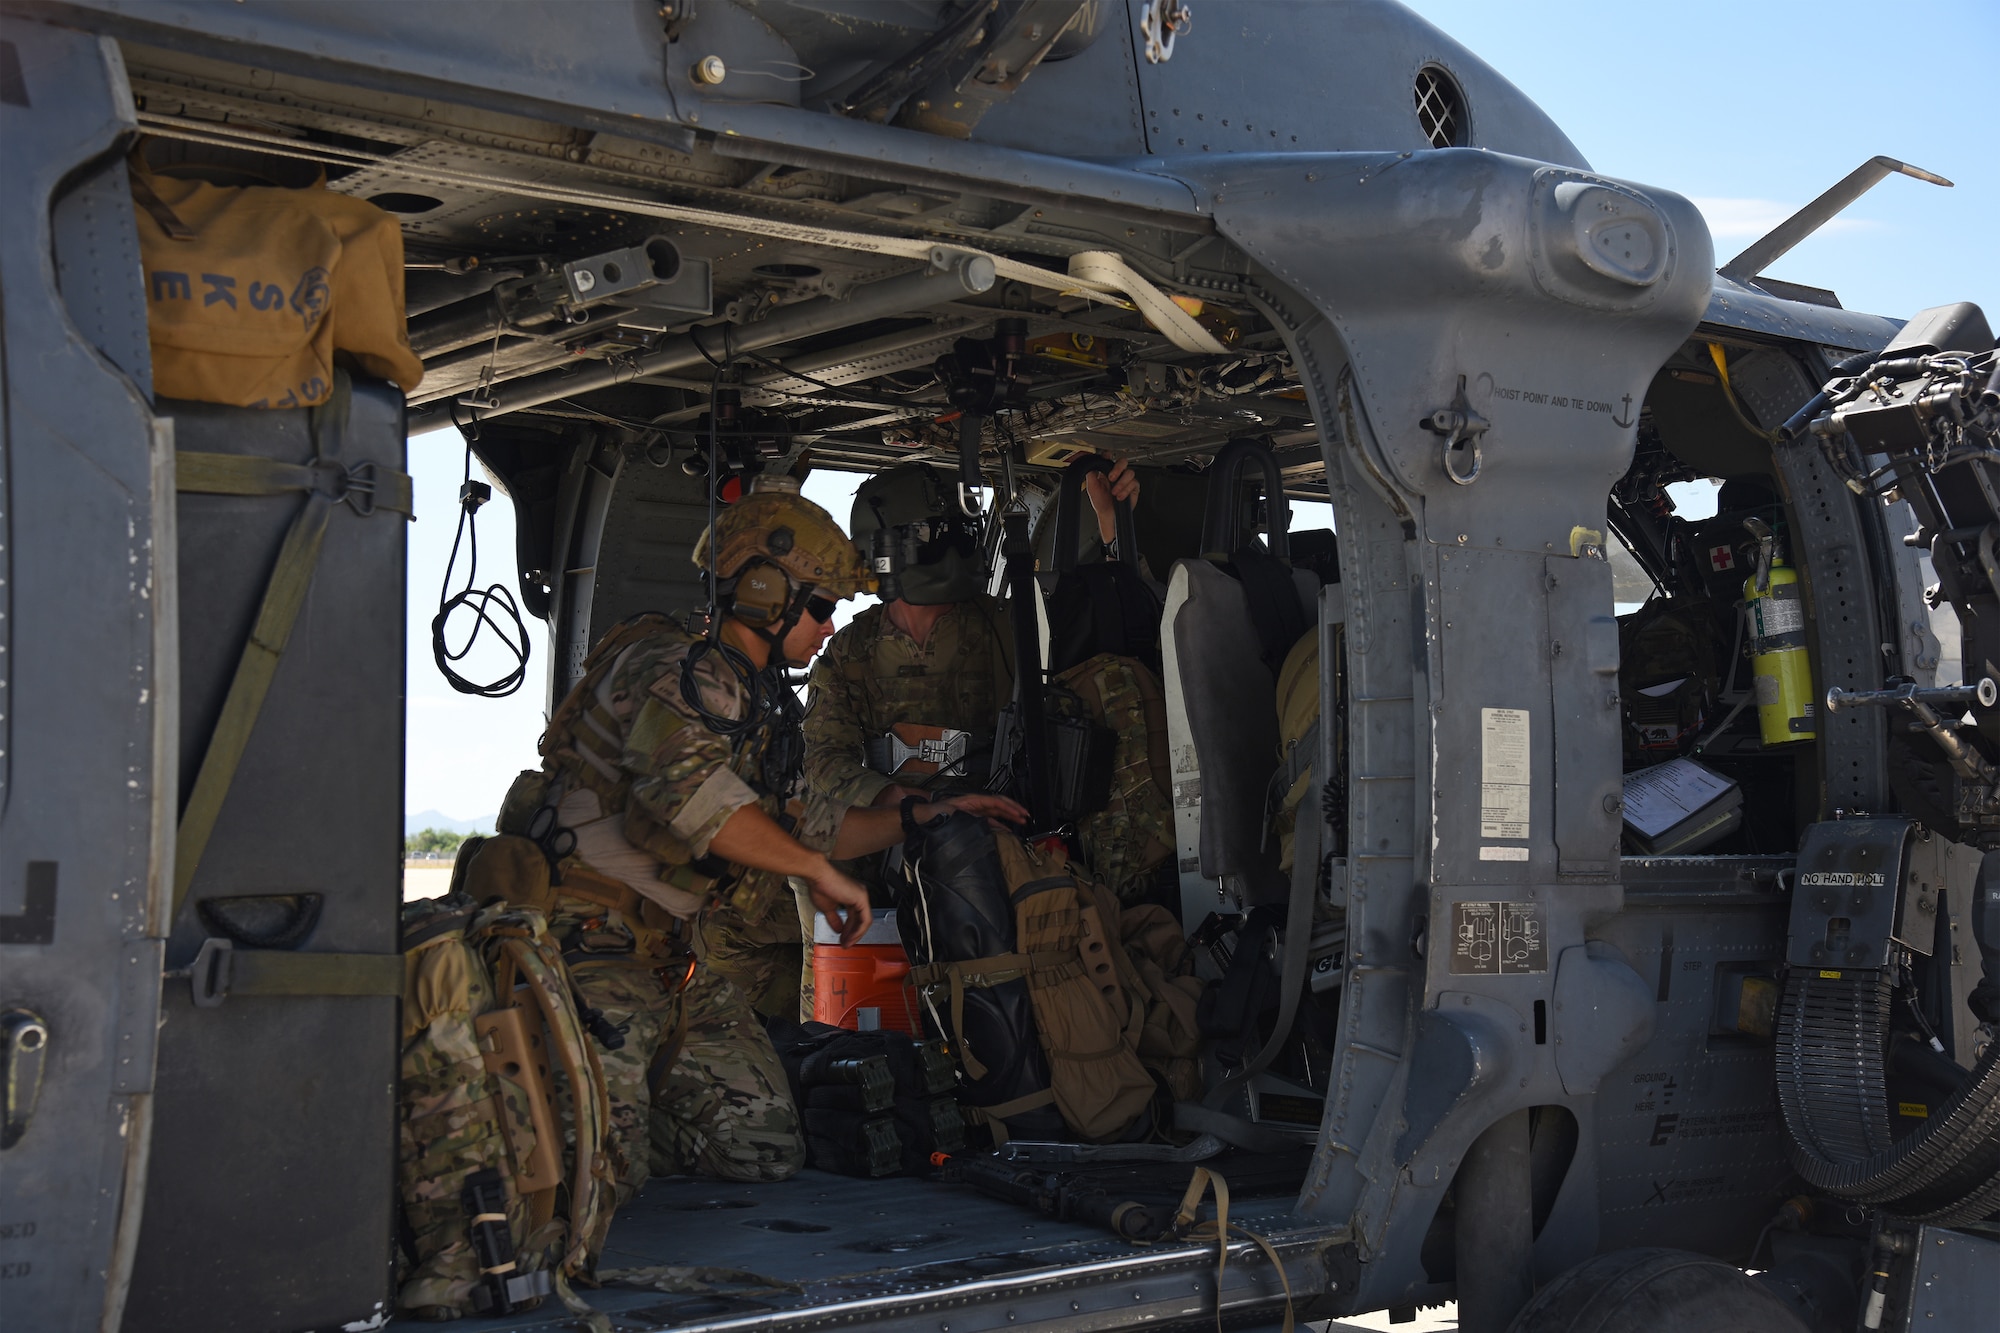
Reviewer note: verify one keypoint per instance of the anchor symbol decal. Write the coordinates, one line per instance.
(1624, 422)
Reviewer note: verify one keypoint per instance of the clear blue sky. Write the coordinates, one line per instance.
(1749, 108)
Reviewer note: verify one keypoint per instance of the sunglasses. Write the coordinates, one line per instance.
(821, 608)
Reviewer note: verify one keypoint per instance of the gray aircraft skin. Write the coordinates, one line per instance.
(1409, 283)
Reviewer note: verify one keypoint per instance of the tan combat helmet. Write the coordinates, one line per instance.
(774, 528)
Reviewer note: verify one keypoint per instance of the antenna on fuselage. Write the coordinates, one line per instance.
(1781, 238)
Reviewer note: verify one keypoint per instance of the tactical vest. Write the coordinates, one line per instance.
(582, 750)
(965, 676)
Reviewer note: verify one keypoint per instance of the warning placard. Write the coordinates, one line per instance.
(1506, 789)
(1498, 939)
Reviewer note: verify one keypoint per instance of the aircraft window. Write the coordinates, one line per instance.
(1440, 108)
(1631, 585)
(1695, 500)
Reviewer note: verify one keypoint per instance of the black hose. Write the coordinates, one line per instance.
(1796, 424)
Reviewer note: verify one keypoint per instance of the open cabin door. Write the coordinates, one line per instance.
(87, 688)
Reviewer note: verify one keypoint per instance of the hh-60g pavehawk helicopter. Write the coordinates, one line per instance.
(1642, 935)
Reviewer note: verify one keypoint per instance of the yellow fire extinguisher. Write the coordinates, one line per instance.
(1781, 673)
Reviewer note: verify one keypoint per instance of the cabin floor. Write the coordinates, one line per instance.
(821, 1238)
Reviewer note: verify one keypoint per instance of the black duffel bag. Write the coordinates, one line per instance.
(952, 907)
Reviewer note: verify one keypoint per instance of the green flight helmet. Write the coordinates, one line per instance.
(909, 517)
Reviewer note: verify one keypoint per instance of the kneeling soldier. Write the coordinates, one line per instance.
(666, 783)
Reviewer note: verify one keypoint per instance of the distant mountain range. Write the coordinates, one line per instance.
(417, 823)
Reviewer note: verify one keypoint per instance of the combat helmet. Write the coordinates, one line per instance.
(910, 517)
(772, 552)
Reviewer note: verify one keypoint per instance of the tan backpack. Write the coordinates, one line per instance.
(1086, 1021)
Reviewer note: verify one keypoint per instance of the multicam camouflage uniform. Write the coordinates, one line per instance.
(1134, 833)
(696, 1089)
(645, 785)
(768, 957)
(872, 674)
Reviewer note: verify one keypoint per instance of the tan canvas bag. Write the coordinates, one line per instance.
(250, 291)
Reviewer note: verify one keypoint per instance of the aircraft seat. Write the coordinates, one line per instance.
(1228, 623)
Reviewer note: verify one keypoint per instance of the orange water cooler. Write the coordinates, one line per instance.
(866, 985)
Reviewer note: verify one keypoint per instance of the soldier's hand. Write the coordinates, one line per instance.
(1105, 490)
(843, 902)
(980, 804)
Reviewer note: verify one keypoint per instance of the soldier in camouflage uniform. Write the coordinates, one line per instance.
(939, 656)
(667, 778)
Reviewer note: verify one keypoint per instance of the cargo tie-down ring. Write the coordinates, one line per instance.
(1460, 426)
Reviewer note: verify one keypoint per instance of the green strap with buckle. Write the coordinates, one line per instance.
(284, 595)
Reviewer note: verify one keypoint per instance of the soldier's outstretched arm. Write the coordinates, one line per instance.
(749, 837)
(873, 828)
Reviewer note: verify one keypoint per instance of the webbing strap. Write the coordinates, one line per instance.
(984, 973)
(579, 881)
(1298, 944)
(365, 485)
(325, 483)
(1234, 1130)
(255, 670)
(994, 1117)
(1219, 1231)
(282, 972)
(1300, 754)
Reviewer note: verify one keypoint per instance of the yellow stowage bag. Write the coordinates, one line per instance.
(250, 309)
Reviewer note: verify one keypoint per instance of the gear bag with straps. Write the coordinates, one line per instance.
(992, 922)
(1132, 833)
(495, 1068)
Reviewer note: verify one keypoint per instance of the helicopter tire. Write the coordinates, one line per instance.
(1659, 1290)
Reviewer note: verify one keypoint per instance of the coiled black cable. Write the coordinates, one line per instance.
(493, 607)
(729, 728)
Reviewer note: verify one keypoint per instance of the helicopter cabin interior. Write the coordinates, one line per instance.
(620, 328)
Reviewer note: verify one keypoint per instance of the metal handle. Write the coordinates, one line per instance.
(24, 1045)
(1985, 694)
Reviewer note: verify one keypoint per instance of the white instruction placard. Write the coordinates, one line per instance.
(1506, 787)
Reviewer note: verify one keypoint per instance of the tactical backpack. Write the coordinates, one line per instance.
(1668, 676)
(495, 1067)
(1132, 833)
(1100, 1023)
(1107, 607)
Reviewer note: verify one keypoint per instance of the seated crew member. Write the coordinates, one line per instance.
(670, 765)
(936, 663)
